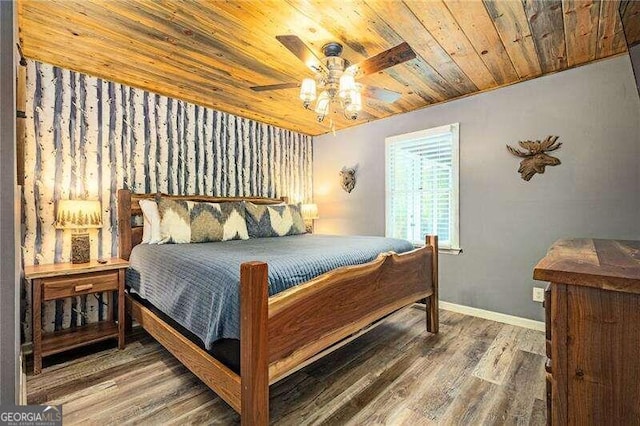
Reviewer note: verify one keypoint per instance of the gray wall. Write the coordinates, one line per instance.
(9, 344)
(507, 224)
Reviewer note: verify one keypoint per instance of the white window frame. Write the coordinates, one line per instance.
(454, 129)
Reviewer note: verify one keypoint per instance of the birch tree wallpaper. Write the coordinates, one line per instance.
(87, 138)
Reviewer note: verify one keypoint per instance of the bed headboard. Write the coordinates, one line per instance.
(130, 230)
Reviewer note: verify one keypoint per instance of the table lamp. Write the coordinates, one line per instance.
(79, 215)
(309, 214)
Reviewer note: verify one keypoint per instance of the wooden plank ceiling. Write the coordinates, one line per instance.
(212, 52)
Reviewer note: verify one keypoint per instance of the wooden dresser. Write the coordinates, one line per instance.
(592, 309)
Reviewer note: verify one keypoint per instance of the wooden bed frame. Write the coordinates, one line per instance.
(285, 332)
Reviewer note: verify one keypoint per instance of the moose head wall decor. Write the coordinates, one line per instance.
(536, 157)
(348, 178)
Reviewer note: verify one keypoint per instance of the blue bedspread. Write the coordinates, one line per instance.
(197, 285)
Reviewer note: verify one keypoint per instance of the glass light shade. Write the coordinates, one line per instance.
(347, 85)
(308, 90)
(322, 105)
(352, 109)
(78, 214)
(309, 211)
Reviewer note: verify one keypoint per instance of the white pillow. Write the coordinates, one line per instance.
(146, 231)
(151, 225)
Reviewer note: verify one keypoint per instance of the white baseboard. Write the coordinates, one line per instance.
(494, 316)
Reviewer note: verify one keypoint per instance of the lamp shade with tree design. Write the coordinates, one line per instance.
(79, 215)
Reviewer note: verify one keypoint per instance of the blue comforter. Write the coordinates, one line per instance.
(197, 285)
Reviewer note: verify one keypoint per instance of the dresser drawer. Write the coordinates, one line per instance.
(59, 287)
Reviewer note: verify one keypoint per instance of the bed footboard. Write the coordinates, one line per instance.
(281, 333)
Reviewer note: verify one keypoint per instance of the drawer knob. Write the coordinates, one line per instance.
(83, 287)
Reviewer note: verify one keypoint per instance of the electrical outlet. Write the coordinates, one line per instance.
(538, 294)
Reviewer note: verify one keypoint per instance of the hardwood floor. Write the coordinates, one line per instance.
(474, 372)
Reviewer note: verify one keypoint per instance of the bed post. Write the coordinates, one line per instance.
(124, 243)
(124, 223)
(432, 301)
(254, 354)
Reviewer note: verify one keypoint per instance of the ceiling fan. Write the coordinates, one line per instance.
(336, 77)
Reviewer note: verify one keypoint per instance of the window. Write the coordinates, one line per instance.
(422, 186)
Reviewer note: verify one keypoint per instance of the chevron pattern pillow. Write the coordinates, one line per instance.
(218, 222)
(175, 221)
(198, 222)
(274, 220)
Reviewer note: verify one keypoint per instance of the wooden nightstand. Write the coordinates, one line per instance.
(62, 280)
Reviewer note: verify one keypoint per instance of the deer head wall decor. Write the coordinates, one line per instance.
(348, 178)
(536, 157)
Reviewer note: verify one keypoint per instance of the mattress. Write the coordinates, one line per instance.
(197, 285)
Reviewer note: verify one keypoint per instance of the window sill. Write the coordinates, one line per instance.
(450, 251)
(453, 251)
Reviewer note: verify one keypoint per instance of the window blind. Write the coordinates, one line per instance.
(422, 186)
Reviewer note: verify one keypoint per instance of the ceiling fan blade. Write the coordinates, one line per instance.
(380, 94)
(298, 48)
(394, 56)
(275, 87)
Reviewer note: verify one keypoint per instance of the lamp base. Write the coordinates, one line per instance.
(80, 248)
(308, 224)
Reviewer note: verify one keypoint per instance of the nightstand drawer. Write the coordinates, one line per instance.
(59, 287)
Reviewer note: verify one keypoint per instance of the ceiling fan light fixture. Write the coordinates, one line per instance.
(335, 77)
(308, 91)
(335, 83)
